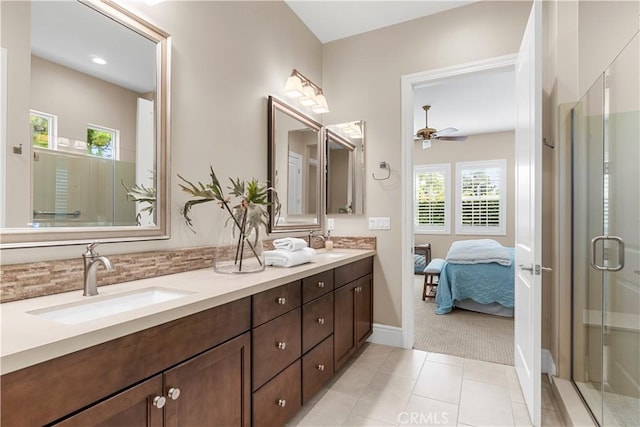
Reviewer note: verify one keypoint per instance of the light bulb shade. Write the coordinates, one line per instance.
(293, 87)
(308, 99)
(322, 106)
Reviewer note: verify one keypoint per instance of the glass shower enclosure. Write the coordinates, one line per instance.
(606, 242)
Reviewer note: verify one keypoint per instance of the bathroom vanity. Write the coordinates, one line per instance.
(231, 350)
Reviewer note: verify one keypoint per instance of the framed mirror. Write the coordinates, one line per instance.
(295, 160)
(344, 145)
(87, 124)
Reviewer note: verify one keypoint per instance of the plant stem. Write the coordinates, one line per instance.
(242, 239)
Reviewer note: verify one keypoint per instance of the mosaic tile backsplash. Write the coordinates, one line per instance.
(22, 281)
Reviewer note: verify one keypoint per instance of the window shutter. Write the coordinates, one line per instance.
(431, 198)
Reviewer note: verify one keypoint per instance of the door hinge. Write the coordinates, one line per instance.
(607, 168)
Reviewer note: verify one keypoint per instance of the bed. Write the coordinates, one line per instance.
(480, 278)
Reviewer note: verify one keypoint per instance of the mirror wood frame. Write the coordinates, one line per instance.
(275, 105)
(36, 237)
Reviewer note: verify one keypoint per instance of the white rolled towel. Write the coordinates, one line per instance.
(290, 244)
(285, 258)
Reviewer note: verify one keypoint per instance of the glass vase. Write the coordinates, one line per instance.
(238, 252)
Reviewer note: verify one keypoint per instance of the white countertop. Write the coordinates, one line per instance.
(28, 339)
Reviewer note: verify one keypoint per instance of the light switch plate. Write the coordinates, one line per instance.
(380, 223)
(330, 223)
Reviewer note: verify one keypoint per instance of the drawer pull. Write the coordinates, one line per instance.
(282, 403)
(282, 345)
(159, 401)
(282, 300)
(173, 393)
(358, 289)
(321, 367)
(321, 284)
(321, 321)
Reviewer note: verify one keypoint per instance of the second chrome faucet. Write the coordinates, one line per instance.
(91, 261)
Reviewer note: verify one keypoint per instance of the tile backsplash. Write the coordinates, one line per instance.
(22, 281)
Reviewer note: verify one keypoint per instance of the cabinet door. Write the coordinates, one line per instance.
(132, 407)
(343, 325)
(213, 387)
(317, 321)
(278, 400)
(364, 309)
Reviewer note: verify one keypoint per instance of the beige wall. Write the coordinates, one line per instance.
(491, 146)
(363, 73)
(94, 101)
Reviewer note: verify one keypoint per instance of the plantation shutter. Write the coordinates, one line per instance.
(481, 195)
(431, 198)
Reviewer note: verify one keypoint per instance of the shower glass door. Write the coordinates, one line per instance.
(606, 243)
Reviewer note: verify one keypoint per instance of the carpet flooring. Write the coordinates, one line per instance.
(462, 333)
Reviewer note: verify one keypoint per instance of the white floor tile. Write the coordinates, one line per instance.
(381, 405)
(403, 363)
(486, 372)
(445, 358)
(485, 404)
(514, 386)
(391, 383)
(422, 411)
(332, 410)
(520, 415)
(355, 420)
(354, 380)
(440, 382)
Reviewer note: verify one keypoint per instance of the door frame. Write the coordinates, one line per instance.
(408, 83)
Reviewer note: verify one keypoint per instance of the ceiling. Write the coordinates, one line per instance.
(480, 103)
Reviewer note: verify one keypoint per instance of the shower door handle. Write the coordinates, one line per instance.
(594, 263)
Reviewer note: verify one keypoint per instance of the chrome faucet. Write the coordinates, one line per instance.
(313, 238)
(91, 260)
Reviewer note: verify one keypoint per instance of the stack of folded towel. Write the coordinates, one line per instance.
(289, 252)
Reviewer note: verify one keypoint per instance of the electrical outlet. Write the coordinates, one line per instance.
(330, 223)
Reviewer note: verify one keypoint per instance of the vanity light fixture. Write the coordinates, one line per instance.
(308, 93)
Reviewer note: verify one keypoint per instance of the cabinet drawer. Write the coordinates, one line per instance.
(279, 400)
(275, 345)
(316, 285)
(317, 321)
(270, 304)
(317, 368)
(350, 272)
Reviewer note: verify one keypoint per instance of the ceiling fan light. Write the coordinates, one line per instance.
(308, 99)
(322, 106)
(293, 87)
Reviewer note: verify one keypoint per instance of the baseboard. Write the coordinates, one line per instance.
(387, 335)
(547, 365)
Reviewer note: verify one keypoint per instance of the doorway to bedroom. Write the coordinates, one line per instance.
(463, 197)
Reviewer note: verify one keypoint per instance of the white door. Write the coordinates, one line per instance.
(528, 239)
(294, 195)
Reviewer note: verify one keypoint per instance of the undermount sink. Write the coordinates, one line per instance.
(97, 307)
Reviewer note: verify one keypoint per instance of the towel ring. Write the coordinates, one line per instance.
(383, 165)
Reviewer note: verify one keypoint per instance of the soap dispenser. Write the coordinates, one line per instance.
(328, 243)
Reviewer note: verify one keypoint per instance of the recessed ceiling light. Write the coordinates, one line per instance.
(98, 60)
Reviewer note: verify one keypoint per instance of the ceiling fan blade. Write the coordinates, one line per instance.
(449, 138)
(446, 131)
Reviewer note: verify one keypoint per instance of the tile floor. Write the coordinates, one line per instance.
(388, 386)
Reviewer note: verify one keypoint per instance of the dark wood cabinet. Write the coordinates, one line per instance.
(353, 309)
(212, 389)
(317, 368)
(317, 285)
(279, 399)
(269, 304)
(317, 321)
(133, 407)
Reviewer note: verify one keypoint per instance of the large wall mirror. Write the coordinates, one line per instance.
(87, 117)
(295, 168)
(345, 168)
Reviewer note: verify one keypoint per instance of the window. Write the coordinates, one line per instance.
(43, 129)
(431, 198)
(481, 191)
(102, 142)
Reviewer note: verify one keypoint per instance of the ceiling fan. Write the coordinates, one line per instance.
(428, 134)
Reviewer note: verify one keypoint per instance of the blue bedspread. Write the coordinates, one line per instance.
(483, 283)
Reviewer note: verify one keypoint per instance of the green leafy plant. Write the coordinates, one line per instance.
(141, 194)
(247, 214)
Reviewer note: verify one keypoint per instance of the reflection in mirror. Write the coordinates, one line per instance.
(345, 168)
(294, 168)
(95, 101)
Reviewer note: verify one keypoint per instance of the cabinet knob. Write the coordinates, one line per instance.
(321, 367)
(159, 401)
(282, 345)
(282, 300)
(358, 288)
(173, 393)
(321, 321)
(321, 284)
(282, 403)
